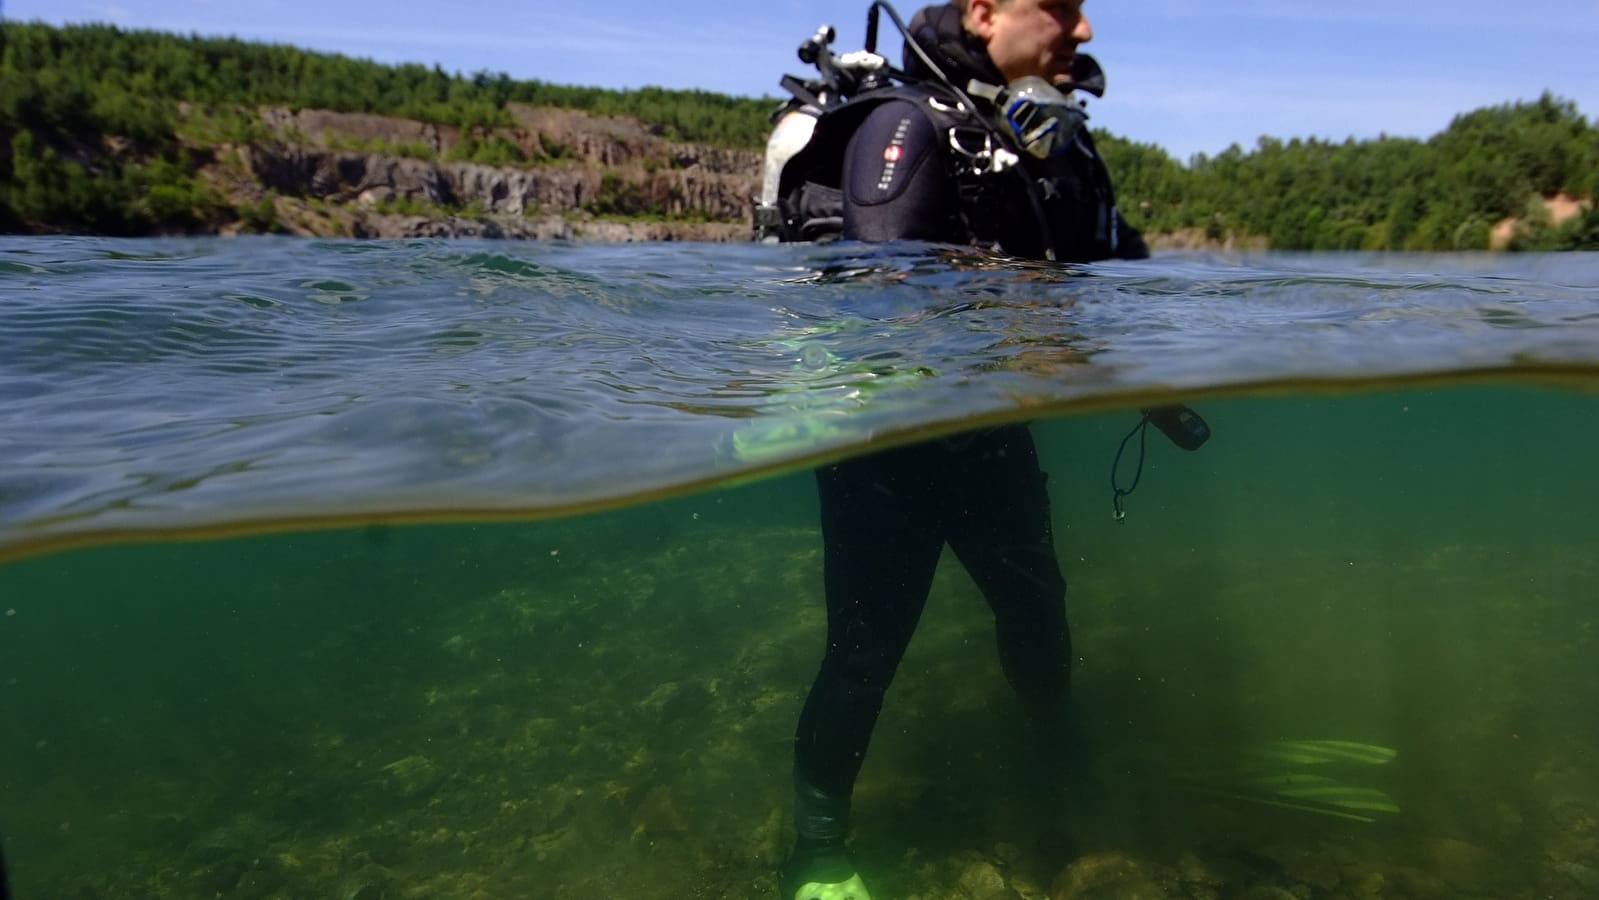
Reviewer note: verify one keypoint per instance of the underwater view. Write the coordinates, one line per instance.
(444, 569)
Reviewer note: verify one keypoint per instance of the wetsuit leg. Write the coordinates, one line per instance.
(881, 547)
(999, 527)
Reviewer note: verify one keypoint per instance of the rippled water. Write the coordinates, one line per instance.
(194, 384)
(365, 684)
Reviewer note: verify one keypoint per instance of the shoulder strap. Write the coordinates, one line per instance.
(809, 197)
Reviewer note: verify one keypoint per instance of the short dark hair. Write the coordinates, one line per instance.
(965, 6)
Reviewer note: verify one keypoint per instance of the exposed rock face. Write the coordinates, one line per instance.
(613, 141)
(375, 179)
(589, 177)
(322, 125)
(355, 222)
(582, 165)
(1196, 239)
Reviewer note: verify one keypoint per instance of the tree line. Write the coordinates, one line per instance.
(89, 116)
(1443, 193)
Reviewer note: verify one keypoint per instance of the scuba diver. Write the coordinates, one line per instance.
(978, 140)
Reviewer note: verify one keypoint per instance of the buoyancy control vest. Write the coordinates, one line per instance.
(1062, 207)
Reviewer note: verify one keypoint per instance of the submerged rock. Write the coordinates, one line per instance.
(1464, 866)
(370, 883)
(1109, 876)
(660, 813)
(1585, 876)
(1369, 886)
(981, 880)
(259, 883)
(413, 775)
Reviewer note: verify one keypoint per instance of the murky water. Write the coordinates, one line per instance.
(1380, 591)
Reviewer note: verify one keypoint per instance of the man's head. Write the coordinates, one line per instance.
(1028, 37)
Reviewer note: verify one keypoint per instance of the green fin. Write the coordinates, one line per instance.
(1315, 752)
(853, 889)
(1302, 782)
(1326, 791)
(821, 872)
(1299, 807)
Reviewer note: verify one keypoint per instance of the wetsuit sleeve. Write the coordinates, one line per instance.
(1130, 243)
(895, 183)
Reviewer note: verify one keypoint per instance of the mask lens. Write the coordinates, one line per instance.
(1042, 118)
(1037, 129)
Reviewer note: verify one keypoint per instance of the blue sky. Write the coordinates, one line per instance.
(1192, 76)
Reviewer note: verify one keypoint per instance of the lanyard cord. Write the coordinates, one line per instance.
(1116, 500)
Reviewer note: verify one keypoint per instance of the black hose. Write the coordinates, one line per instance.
(1037, 202)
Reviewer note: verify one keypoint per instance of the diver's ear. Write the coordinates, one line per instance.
(979, 18)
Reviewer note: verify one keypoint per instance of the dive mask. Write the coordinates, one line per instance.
(1043, 120)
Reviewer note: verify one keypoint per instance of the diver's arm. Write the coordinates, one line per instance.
(1130, 243)
(895, 183)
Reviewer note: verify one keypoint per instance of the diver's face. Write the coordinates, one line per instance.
(1030, 37)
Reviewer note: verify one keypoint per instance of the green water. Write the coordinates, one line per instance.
(601, 706)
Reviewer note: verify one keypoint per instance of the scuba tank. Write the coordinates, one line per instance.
(794, 123)
(790, 134)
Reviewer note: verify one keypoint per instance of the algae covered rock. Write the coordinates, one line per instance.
(1110, 875)
(370, 882)
(660, 813)
(1466, 867)
(981, 880)
(413, 775)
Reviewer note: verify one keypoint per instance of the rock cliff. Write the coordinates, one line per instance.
(577, 175)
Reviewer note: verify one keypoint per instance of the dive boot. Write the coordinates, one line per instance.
(820, 871)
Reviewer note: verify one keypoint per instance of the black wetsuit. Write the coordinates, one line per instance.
(885, 519)
(887, 516)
